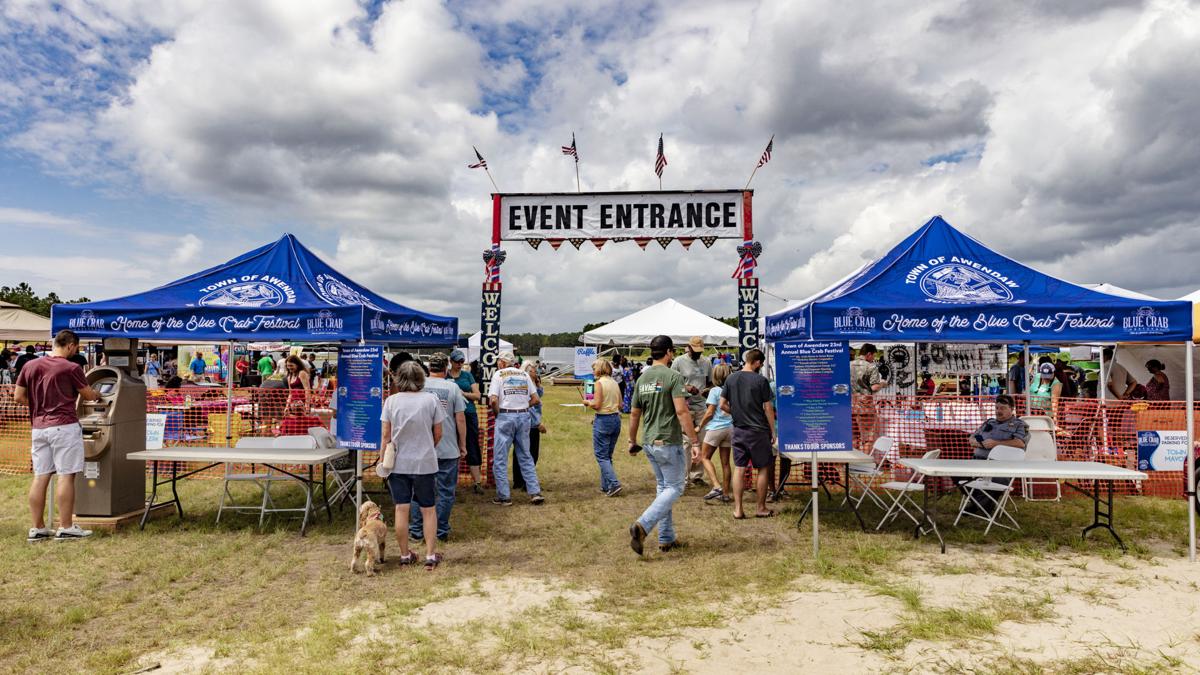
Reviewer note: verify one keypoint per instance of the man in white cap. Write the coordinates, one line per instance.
(697, 378)
(511, 394)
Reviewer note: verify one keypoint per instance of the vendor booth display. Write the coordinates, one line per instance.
(276, 293)
(941, 286)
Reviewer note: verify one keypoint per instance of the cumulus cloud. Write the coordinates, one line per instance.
(1064, 134)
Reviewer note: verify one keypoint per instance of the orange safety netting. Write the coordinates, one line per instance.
(1088, 429)
(200, 416)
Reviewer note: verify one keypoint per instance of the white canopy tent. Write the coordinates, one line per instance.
(668, 317)
(1113, 289)
(19, 325)
(473, 346)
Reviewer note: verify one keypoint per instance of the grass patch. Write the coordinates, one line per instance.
(247, 595)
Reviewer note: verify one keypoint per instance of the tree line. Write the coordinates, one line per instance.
(23, 296)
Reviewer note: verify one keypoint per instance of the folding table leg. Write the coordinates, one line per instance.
(1102, 518)
(308, 495)
(153, 493)
(325, 492)
(174, 491)
(853, 504)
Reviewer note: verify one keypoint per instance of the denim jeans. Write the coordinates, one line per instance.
(513, 429)
(670, 472)
(605, 431)
(445, 482)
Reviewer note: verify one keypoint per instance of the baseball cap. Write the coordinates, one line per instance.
(1046, 369)
(507, 356)
(458, 356)
(438, 362)
(696, 343)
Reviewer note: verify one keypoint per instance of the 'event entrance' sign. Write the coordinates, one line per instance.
(612, 215)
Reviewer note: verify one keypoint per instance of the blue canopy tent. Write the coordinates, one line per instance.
(281, 291)
(940, 285)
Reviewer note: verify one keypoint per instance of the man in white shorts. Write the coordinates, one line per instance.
(49, 387)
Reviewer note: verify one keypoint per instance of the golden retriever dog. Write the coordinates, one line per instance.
(370, 539)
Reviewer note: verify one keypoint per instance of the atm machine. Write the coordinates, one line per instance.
(113, 427)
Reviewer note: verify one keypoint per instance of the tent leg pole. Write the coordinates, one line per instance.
(1102, 392)
(229, 371)
(815, 506)
(1025, 384)
(1190, 479)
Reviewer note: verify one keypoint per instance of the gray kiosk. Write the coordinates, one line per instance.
(113, 427)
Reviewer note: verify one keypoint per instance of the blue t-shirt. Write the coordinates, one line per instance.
(199, 366)
(720, 419)
(464, 381)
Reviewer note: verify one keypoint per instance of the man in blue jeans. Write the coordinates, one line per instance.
(452, 448)
(660, 401)
(510, 395)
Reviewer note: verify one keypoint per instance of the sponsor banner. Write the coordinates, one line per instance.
(747, 314)
(812, 396)
(409, 328)
(584, 358)
(1162, 450)
(359, 396)
(215, 323)
(489, 334)
(610, 215)
(991, 324)
(259, 325)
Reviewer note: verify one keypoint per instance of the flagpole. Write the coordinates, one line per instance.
(489, 175)
(751, 176)
(578, 186)
(760, 161)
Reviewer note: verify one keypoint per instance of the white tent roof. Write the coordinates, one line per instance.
(17, 324)
(473, 346)
(1112, 289)
(1192, 297)
(668, 317)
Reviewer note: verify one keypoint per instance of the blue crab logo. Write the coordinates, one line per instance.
(960, 284)
(254, 294)
(337, 292)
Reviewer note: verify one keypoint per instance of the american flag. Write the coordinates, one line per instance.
(570, 149)
(766, 156)
(661, 160)
(482, 164)
(745, 266)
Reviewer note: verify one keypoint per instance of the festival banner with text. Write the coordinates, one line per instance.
(813, 396)
(620, 215)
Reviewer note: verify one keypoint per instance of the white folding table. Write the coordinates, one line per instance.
(843, 457)
(1093, 472)
(274, 458)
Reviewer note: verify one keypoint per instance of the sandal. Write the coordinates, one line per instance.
(408, 559)
(431, 561)
(768, 514)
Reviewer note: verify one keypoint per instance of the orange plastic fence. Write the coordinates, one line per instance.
(1088, 429)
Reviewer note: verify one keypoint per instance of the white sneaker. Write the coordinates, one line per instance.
(38, 534)
(72, 532)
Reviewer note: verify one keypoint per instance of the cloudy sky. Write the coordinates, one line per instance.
(141, 140)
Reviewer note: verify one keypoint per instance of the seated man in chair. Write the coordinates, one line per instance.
(1003, 429)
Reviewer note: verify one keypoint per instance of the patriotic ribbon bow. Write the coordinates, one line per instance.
(493, 258)
(749, 251)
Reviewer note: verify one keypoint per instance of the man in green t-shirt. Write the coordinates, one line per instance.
(660, 403)
(266, 366)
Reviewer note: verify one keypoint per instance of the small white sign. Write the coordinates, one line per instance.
(156, 429)
(584, 358)
(91, 470)
(1162, 450)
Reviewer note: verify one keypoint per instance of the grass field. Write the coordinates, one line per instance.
(556, 588)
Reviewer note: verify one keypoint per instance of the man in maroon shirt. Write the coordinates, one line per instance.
(49, 387)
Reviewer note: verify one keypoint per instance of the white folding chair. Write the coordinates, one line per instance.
(904, 496)
(865, 475)
(285, 443)
(258, 478)
(1040, 446)
(340, 470)
(986, 490)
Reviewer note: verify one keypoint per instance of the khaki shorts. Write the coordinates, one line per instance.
(719, 438)
(58, 450)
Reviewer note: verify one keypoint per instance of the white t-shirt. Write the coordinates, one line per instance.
(413, 415)
(513, 388)
(1119, 378)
